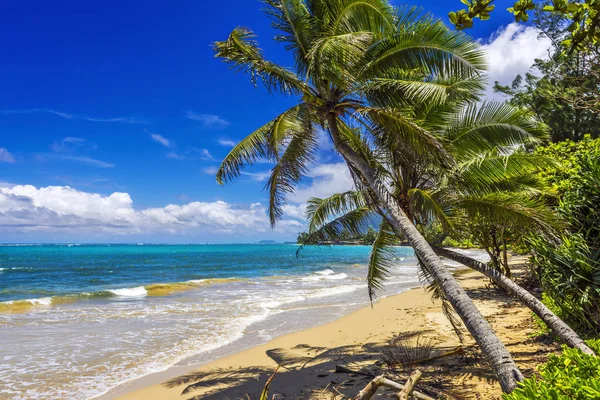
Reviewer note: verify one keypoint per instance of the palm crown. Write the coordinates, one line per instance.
(368, 68)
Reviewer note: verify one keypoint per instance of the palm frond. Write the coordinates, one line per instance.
(291, 167)
(393, 130)
(438, 294)
(427, 44)
(321, 211)
(241, 51)
(493, 172)
(264, 143)
(515, 207)
(297, 25)
(475, 129)
(381, 258)
(424, 204)
(353, 223)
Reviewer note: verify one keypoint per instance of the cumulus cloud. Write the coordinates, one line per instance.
(295, 211)
(25, 208)
(327, 179)
(512, 51)
(6, 156)
(160, 139)
(208, 120)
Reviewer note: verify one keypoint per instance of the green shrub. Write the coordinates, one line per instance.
(570, 375)
(569, 271)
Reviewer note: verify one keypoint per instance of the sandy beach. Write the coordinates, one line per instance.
(309, 358)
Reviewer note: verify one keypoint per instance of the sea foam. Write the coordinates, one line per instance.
(139, 291)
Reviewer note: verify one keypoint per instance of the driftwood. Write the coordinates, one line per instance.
(369, 391)
(340, 369)
(409, 385)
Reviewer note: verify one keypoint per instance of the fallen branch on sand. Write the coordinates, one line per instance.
(410, 384)
(369, 391)
(340, 369)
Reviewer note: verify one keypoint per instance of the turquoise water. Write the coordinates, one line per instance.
(76, 321)
(32, 271)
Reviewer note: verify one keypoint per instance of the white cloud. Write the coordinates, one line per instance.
(175, 156)
(212, 170)
(208, 120)
(160, 139)
(512, 51)
(88, 160)
(257, 176)
(71, 144)
(25, 208)
(327, 179)
(6, 156)
(126, 120)
(205, 155)
(295, 211)
(227, 142)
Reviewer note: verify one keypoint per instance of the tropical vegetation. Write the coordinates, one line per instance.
(563, 90)
(583, 17)
(397, 93)
(570, 375)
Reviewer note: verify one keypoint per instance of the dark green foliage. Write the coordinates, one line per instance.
(571, 375)
(582, 17)
(569, 271)
(564, 92)
(569, 156)
(570, 276)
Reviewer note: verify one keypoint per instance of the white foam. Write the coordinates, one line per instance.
(325, 277)
(196, 281)
(335, 290)
(44, 301)
(325, 272)
(139, 291)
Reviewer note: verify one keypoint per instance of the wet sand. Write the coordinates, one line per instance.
(309, 358)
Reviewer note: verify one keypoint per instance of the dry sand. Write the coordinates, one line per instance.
(309, 358)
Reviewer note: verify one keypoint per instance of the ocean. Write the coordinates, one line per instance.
(78, 320)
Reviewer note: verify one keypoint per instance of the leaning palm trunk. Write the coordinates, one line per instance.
(562, 330)
(496, 354)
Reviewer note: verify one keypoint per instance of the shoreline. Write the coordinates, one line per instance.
(236, 348)
(309, 356)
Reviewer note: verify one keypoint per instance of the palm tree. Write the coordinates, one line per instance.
(481, 184)
(361, 66)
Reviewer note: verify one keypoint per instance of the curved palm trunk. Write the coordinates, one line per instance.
(496, 354)
(568, 335)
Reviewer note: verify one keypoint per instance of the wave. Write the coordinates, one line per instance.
(321, 275)
(137, 292)
(325, 272)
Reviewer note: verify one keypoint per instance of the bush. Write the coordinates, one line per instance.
(569, 271)
(570, 375)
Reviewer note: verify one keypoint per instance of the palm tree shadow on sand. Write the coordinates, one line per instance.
(308, 372)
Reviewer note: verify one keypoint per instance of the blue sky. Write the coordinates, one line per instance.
(126, 97)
